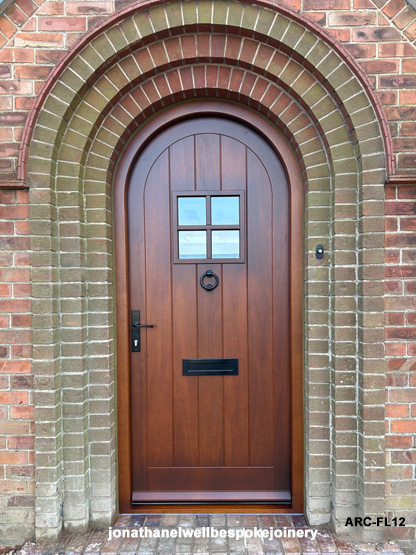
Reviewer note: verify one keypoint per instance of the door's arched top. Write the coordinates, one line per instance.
(188, 130)
(103, 62)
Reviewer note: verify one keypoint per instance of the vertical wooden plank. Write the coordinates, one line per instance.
(207, 153)
(184, 322)
(210, 390)
(182, 165)
(158, 312)
(236, 413)
(233, 164)
(185, 388)
(138, 396)
(211, 406)
(260, 329)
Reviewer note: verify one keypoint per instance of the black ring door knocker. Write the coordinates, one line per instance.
(209, 286)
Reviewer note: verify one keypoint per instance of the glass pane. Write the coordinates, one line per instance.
(225, 244)
(192, 244)
(225, 210)
(192, 211)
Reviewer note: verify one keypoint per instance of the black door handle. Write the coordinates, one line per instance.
(135, 331)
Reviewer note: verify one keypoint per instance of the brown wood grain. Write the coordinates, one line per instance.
(158, 312)
(185, 330)
(260, 331)
(236, 393)
(207, 159)
(185, 345)
(256, 314)
(235, 310)
(211, 478)
(211, 393)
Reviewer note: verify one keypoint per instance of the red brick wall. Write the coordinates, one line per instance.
(380, 34)
(400, 322)
(34, 35)
(16, 411)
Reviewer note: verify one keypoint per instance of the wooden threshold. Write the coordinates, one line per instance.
(207, 508)
(146, 497)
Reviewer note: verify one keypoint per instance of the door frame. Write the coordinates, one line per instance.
(154, 125)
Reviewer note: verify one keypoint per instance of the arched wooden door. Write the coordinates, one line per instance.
(209, 194)
(208, 246)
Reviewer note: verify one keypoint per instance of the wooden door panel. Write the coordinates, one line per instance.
(236, 407)
(210, 433)
(137, 293)
(185, 345)
(207, 161)
(235, 309)
(211, 402)
(182, 173)
(159, 313)
(260, 331)
(233, 164)
(185, 326)
(212, 478)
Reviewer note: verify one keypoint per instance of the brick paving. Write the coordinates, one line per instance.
(97, 542)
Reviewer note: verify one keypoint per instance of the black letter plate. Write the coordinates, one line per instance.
(210, 366)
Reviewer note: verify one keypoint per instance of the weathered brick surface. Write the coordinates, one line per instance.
(400, 321)
(36, 33)
(288, 116)
(325, 113)
(17, 471)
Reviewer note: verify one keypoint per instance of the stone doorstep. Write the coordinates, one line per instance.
(96, 541)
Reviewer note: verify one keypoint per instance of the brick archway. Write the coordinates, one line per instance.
(141, 61)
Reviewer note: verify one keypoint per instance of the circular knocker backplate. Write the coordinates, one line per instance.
(209, 286)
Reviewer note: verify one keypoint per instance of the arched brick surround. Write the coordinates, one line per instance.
(144, 60)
